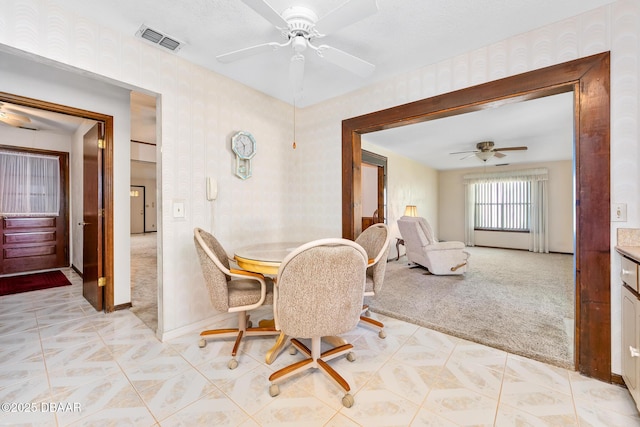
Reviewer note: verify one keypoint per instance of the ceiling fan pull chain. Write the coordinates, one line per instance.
(294, 121)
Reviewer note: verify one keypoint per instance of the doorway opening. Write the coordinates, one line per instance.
(144, 209)
(374, 188)
(588, 78)
(97, 286)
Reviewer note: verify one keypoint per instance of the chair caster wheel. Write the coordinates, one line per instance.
(382, 334)
(233, 364)
(351, 356)
(293, 350)
(367, 313)
(202, 343)
(249, 324)
(274, 390)
(348, 401)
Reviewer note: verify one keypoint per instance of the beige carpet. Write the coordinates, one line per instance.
(144, 278)
(516, 301)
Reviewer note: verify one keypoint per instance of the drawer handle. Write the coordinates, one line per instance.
(625, 272)
(634, 352)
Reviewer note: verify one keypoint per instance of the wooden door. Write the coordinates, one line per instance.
(92, 217)
(30, 243)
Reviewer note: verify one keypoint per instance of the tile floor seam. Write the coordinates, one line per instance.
(135, 390)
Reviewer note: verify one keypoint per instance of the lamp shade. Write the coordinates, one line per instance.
(485, 155)
(410, 210)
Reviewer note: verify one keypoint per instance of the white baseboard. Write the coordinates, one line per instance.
(195, 328)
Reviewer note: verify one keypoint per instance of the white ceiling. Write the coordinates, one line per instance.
(401, 37)
(545, 126)
(43, 120)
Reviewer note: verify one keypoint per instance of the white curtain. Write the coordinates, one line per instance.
(29, 184)
(538, 215)
(539, 218)
(469, 214)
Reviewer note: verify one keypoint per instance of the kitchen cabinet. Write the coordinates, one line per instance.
(630, 327)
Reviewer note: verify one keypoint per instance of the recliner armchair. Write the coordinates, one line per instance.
(440, 258)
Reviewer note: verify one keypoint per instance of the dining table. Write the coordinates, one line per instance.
(265, 258)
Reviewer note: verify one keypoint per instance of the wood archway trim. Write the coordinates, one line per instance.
(589, 79)
(107, 178)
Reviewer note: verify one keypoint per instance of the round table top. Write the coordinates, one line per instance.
(264, 258)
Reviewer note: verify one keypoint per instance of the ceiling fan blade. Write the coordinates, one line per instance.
(14, 116)
(265, 10)
(464, 152)
(296, 72)
(498, 155)
(345, 60)
(467, 156)
(249, 51)
(510, 149)
(346, 14)
(11, 122)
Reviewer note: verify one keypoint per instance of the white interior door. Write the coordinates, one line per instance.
(137, 209)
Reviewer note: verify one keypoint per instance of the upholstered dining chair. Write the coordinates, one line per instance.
(231, 290)
(423, 248)
(319, 294)
(375, 241)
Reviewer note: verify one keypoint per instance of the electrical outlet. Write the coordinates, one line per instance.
(178, 209)
(619, 212)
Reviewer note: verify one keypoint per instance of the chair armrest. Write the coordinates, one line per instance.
(247, 273)
(442, 246)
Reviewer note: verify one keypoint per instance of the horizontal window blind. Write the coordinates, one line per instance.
(502, 205)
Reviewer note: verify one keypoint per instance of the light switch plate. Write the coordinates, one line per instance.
(619, 212)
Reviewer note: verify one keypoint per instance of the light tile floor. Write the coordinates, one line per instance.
(74, 366)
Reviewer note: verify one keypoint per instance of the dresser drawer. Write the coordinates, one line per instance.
(629, 273)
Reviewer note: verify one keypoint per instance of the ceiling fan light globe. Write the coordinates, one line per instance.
(484, 155)
(299, 44)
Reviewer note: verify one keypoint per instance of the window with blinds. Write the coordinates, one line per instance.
(502, 206)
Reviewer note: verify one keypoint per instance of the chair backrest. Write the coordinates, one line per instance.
(375, 241)
(320, 288)
(215, 268)
(416, 231)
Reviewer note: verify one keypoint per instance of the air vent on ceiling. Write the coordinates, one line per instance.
(158, 38)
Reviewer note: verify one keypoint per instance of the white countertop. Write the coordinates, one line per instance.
(632, 252)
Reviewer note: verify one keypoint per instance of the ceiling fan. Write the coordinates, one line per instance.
(12, 119)
(485, 150)
(301, 26)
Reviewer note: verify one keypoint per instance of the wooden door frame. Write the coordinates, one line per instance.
(107, 178)
(589, 79)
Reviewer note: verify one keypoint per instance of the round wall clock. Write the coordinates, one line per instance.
(244, 146)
